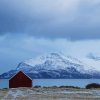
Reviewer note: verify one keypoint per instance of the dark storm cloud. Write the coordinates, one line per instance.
(71, 19)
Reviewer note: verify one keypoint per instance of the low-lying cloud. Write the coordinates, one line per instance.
(14, 49)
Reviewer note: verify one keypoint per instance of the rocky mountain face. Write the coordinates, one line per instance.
(54, 66)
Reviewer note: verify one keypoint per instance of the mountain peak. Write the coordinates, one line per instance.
(43, 58)
(53, 61)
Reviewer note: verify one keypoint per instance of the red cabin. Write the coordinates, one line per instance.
(20, 80)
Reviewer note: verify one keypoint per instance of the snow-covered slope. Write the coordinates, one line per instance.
(54, 61)
(55, 65)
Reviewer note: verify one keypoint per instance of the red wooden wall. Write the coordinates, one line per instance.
(20, 80)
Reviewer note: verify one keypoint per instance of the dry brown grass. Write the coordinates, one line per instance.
(49, 94)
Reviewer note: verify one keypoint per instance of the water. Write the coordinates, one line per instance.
(4, 83)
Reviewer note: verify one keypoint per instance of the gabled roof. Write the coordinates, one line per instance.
(21, 72)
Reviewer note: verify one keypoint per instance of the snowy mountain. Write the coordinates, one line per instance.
(54, 65)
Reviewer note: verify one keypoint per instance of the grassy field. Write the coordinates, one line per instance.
(49, 94)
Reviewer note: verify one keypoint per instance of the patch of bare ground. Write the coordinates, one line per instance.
(50, 94)
(3, 92)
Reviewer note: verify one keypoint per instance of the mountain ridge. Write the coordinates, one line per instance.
(54, 65)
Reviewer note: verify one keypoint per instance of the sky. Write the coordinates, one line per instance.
(29, 28)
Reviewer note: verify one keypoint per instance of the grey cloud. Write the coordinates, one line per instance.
(40, 20)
